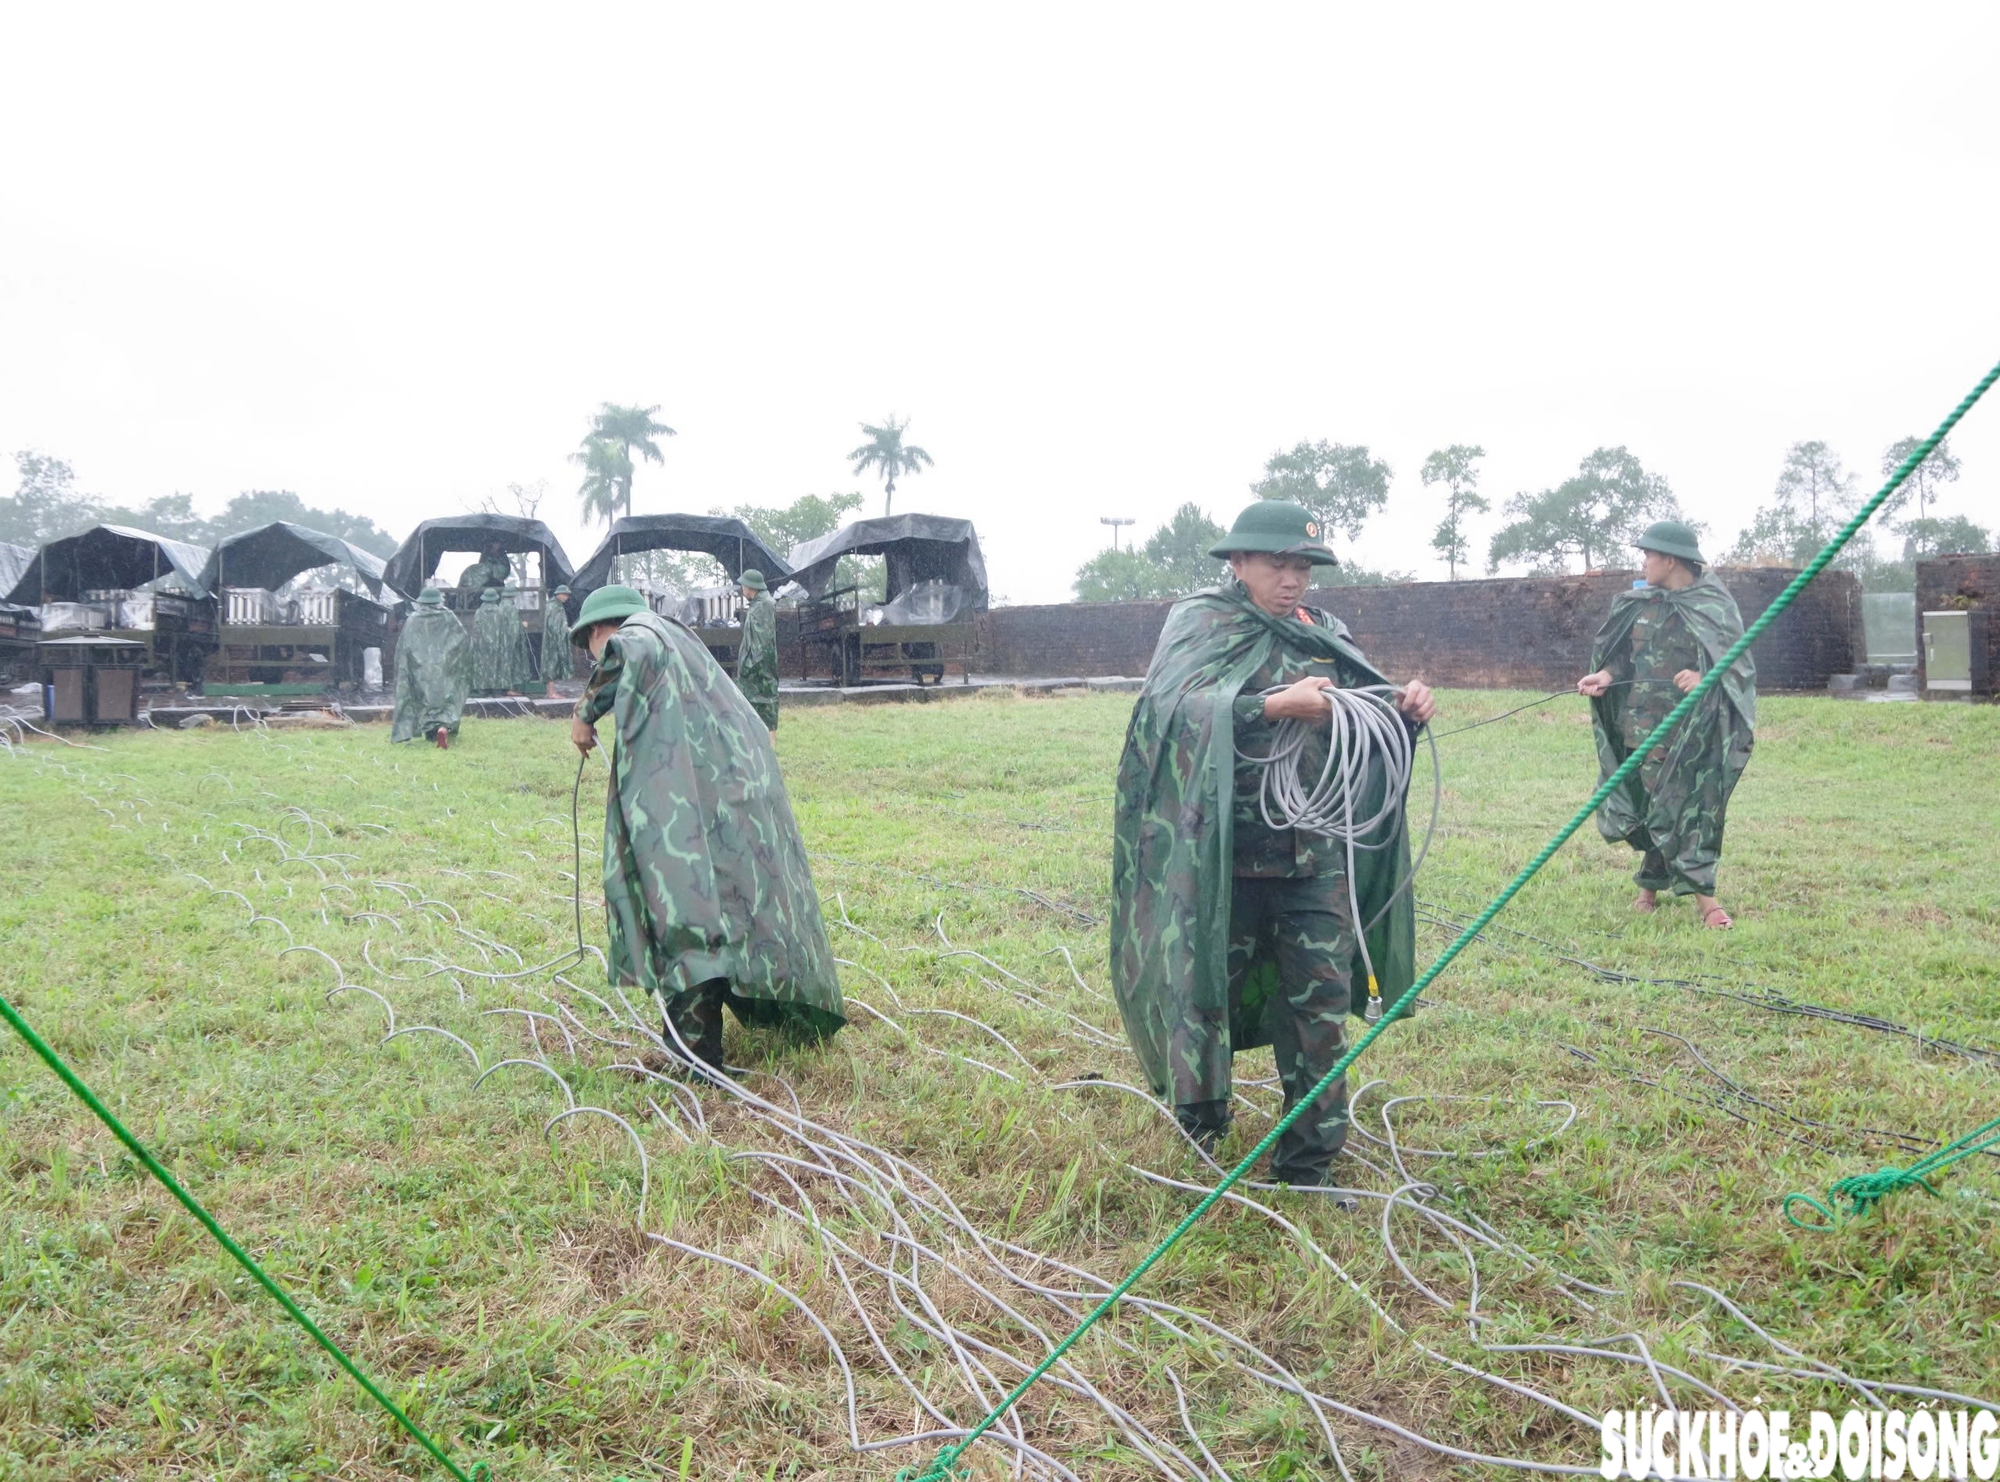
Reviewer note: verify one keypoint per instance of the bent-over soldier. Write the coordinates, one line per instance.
(757, 658)
(490, 570)
(708, 899)
(555, 635)
(1654, 647)
(499, 645)
(1227, 933)
(433, 672)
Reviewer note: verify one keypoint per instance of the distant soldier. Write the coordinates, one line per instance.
(555, 635)
(499, 646)
(757, 658)
(490, 570)
(1228, 933)
(433, 672)
(1656, 645)
(707, 895)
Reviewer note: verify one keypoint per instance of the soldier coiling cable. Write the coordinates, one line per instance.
(1363, 727)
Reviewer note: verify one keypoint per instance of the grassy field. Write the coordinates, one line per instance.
(494, 1274)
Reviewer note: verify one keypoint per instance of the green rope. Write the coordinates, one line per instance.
(138, 1149)
(1863, 1191)
(946, 1464)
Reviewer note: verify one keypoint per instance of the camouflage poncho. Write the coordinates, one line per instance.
(704, 872)
(1172, 856)
(1675, 801)
(757, 659)
(433, 674)
(555, 640)
(499, 647)
(483, 573)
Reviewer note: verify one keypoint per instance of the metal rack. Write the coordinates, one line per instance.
(836, 646)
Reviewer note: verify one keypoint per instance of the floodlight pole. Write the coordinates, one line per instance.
(1114, 522)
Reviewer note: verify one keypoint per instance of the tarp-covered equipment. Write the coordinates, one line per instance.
(416, 559)
(915, 548)
(724, 537)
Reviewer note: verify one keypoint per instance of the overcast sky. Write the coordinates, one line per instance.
(1106, 258)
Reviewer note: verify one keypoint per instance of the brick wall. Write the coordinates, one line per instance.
(1512, 632)
(1070, 638)
(1944, 582)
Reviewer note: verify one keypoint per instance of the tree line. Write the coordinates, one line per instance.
(1587, 521)
(621, 436)
(47, 505)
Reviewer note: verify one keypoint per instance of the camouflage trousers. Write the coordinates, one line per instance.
(1685, 864)
(1304, 925)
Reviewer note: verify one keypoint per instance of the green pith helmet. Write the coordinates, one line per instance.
(430, 597)
(491, 594)
(606, 604)
(563, 590)
(1279, 528)
(753, 579)
(1672, 538)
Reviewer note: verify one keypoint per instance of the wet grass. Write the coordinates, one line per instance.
(492, 1275)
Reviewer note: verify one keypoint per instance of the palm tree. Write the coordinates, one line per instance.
(629, 430)
(607, 478)
(885, 451)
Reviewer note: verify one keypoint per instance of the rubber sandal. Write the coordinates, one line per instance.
(1645, 908)
(1709, 920)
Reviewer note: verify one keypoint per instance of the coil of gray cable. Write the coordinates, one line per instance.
(1363, 725)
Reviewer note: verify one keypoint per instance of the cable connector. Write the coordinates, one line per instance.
(1372, 1013)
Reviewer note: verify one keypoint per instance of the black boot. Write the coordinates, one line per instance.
(694, 1018)
(1205, 1122)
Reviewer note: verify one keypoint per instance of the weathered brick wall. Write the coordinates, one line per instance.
(1535, 632)
(1512, 632)
(1945, 582)
(1070, 638)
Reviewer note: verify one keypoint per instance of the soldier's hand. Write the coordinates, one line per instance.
(584, 735)
(1687, 679)
(1594, 685)
(1417, 702)
(1302, 700)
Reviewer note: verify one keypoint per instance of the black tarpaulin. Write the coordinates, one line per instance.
(410, 569)
(914, 547)
(724, 537)
(273, 554)
(106, 558)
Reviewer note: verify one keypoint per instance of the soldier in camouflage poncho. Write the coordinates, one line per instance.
(433, 672)
(757, 658)
(555, 636)
(707, 895)
(1656, 645)
(1226, 933)
(499, 646)
(490, 570)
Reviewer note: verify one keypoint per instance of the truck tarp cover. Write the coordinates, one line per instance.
(410, 569)
(273, 554)
(14, 561)
(724, 537)
(106, 558)
(914, 547)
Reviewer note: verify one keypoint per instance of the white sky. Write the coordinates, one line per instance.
(1108, 258)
